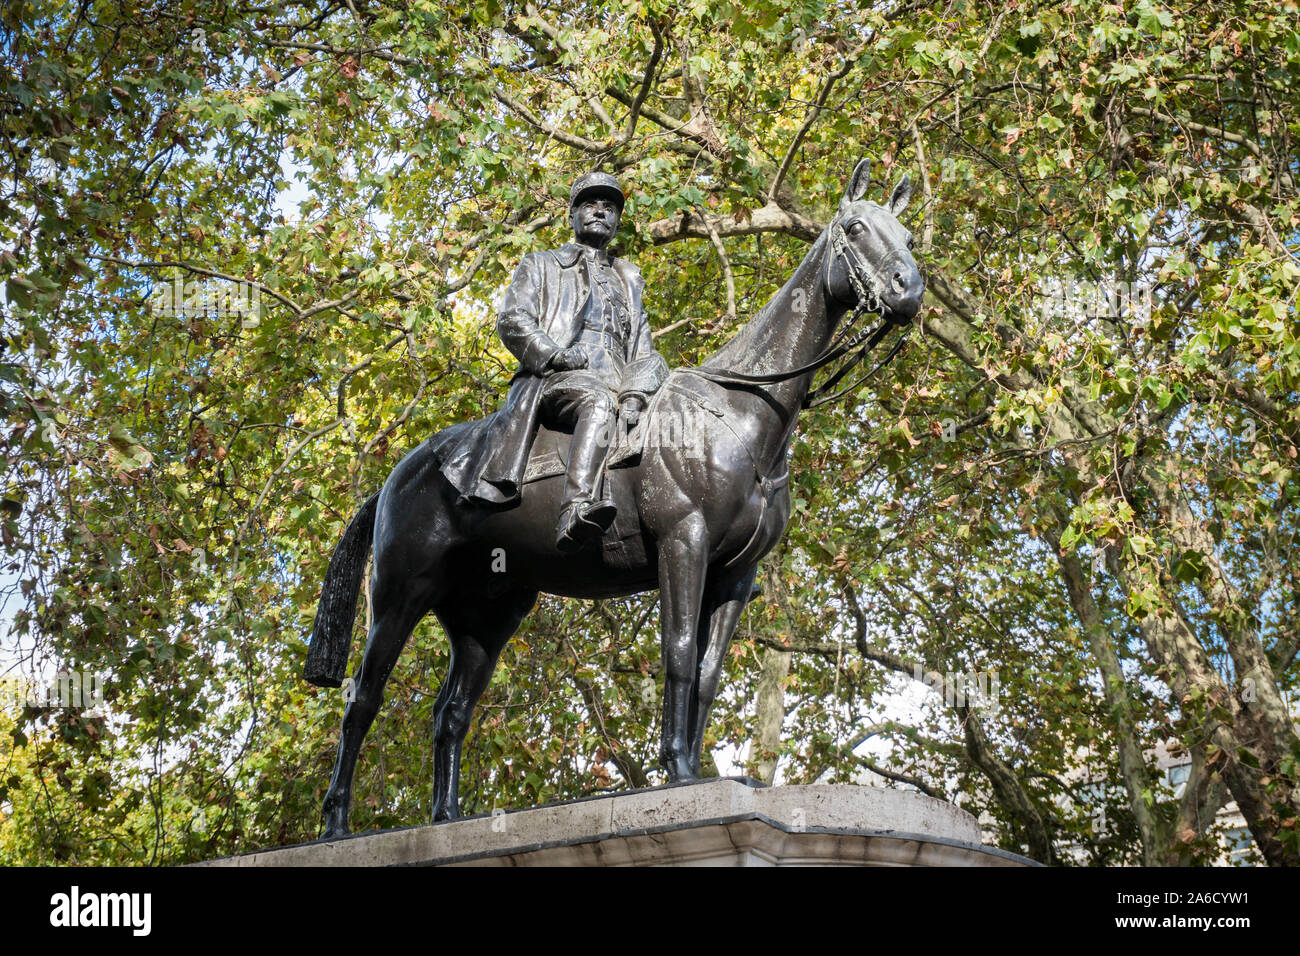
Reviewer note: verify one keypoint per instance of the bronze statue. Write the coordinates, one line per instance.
(573, 317)
(693, 522)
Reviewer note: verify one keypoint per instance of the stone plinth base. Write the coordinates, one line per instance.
(728, 822)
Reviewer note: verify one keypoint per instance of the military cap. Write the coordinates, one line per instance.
(596, 185)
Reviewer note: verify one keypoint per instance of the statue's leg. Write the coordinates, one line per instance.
(683, 557)
(584, 403)
(724, 598)
(592, 436)
(395, 615)
(478, 628)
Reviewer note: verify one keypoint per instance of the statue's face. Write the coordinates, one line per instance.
(595, 221)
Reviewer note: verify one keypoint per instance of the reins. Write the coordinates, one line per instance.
(847, 341)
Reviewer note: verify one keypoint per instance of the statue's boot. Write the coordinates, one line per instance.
(583, 519)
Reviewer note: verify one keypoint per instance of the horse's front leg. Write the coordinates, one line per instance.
(683, 562)
(725, 598)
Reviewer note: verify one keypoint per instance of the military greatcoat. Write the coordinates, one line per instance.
(542, 312)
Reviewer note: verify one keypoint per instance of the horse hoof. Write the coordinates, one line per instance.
(679, 770)
(445, 814)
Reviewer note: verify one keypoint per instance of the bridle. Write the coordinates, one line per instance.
(859, 273)
(855, 344)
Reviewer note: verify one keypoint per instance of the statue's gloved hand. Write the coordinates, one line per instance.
(630, 409)
(567, 360)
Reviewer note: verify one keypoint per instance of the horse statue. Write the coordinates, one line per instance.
(702, 513)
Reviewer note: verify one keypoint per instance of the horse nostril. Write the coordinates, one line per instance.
(899, 285)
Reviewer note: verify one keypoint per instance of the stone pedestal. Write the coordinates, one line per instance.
(727, 822)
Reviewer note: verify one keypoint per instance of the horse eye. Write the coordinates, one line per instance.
(857, 229)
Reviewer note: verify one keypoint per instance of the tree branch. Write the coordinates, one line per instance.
(768, 218)
(553, 34)
(727, 277)
(635, 110)
(927, 234)
(813, 112)
(527, 115)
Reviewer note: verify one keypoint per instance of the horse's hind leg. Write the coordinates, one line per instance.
(724, 600)
(396, 612)
(478, 628)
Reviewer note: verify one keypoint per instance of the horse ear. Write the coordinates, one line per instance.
(858, 182)
(899, 198)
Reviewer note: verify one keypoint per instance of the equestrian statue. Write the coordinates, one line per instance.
(604, 474)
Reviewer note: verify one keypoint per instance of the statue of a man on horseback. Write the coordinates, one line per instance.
(705, 517)
(573, 318)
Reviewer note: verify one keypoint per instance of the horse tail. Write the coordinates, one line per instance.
(331, 634)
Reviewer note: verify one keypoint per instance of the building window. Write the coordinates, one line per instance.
(1239, 844)
(1178, 779)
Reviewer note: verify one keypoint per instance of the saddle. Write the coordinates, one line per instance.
(622, 545)
(549, 455)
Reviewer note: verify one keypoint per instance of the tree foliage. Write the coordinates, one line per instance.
(1093, 499)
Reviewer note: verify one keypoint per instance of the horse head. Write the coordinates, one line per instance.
(871, 259)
